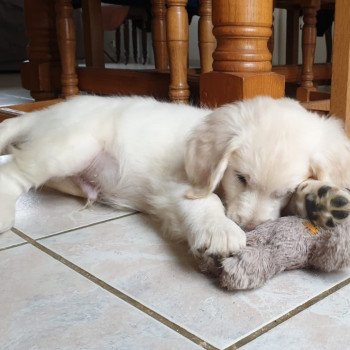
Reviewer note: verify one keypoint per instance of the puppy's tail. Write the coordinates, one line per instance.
(15, 130)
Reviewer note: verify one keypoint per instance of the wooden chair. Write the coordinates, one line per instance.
(241, 67)
(51, 67)
(308, 73)
(170, 42)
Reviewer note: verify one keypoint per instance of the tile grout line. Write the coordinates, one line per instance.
(13, 246)
(83, 226)
(304, 306)
(66, 231)
(116, 292)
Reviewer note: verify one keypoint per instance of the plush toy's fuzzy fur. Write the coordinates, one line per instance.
(295, 242)
(285, 244)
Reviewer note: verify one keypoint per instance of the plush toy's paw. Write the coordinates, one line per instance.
(325, 205)
(248, 269)
(210, 265)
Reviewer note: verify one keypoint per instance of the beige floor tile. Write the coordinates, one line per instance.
(45, 305)
(8, 239)
(324, 326)
(45, 212)
(130, 255)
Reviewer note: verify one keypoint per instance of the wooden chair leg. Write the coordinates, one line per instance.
(41, 73)
(310, 8)
(126, 41)
(117, 45)
(329, 40)
(93, 33)
(159, 39)
(177, 38)
(292, 46)
(206, 37)
(67, 44)
(340, 90)
(271, 41)
(134, 39)
(242, 61)
(144, 42)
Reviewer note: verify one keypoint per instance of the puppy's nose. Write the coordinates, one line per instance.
(250, 226)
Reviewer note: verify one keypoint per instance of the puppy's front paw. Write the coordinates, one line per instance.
(217, 241)
(325, 205)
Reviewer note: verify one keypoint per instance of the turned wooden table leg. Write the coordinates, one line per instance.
(292, 46)
(144, 42)
(134, 40)
(126, 34)
(93, 33)
(160, 47)
(271, 41)
(206, 37)
(340, 90)
(177, 39)
(310, 8)
(117, 45)
(242, 61)
(66, 44)
(40, 74)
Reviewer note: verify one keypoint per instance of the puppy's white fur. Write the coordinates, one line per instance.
(137, 153)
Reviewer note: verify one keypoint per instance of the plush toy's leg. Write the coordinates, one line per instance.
(250, 268)
(331, 251)
(322, 203)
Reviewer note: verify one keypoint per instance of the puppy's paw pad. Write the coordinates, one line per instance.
(327, 205)
(323, 190)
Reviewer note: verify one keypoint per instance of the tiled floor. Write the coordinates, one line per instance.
(103, 279)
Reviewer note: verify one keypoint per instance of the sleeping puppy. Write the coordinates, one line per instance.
(167, 160)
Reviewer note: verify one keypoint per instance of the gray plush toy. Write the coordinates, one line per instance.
(293, 242)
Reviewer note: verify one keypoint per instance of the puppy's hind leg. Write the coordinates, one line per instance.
(37, 162)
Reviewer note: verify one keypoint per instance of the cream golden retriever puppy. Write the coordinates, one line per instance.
(168, 160)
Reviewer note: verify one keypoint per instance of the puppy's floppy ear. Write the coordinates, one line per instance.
(208, 151)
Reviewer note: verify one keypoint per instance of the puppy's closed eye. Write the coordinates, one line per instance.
(242, 179)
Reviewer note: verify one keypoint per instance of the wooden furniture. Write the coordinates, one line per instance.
(338, 103)
(41, 73)
(242, 65)
(242, 62)
(94, 78)
(308, 9)
(115, 18)
(50, 26)
(340, 88)
(206, 39)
